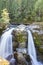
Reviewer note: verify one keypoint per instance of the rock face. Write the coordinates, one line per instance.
(20, 59)
(37, 30)
(19, 39)
(11, 59)
(38, 39)
(20, 45)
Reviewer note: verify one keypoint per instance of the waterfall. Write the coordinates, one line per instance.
(6, 44)
(31, 50)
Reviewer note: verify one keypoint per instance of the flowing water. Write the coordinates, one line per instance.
(6, 46)
(31, 50)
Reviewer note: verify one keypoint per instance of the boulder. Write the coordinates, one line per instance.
(11, 59)
(20, 59)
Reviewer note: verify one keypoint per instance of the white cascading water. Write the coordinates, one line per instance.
(31, 50)
(6, 44)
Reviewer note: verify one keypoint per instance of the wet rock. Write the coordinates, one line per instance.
(41, 49)
(19, 39)
(20, 59)
(9, 57)
(15, 45)
(1, 30)
(12, 61)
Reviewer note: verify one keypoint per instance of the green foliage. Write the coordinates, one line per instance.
(37, 39)
(20, 37)
(22, 11)
(39, 10)
(4, 16)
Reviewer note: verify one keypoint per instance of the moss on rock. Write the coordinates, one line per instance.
(19, 38)
(3, 26)
(38, 39)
